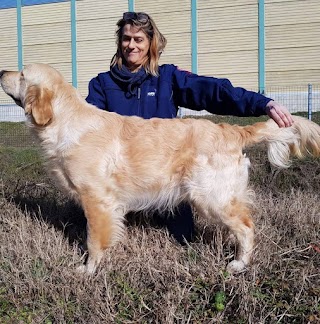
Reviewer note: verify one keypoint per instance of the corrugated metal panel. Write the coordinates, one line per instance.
(47, 33)
(173, 18)
(300, 34)
(8, 37)
(292, 42)
(246, 81)
(97, 9)
(8, 42)
(46, 14)
(291, 12)
(47, 36)
(228, 40)
(225, 40)
(178, 44)
(96, 26)
(8, 18)
(88, 71)
(163, 6)
(95, 50)
(47, 53)
(102, 29)
(297, 77)
(173, 23)
(228, 17)
(286, 59)
(206, 4)
(273, 1)
(8, 28)
(228, 62)
(64, 69)
(183, 61)
(10, 57)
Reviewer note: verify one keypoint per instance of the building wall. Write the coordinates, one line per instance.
(292, 42)
(47, 36)
(9, 39)
(96, 26)
(173, 19)
(227, 38)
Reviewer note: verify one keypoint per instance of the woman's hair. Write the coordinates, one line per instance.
(157, 41)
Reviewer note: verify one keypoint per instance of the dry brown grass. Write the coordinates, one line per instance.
(148, 277)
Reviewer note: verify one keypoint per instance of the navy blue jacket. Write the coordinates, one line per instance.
(161, 96)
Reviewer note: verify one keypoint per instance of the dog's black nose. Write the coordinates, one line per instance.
(1, 73)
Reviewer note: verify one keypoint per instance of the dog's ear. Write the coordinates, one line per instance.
(38, 104)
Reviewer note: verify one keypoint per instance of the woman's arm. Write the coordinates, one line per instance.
(96, 95)
(218, 96)
(215, 95)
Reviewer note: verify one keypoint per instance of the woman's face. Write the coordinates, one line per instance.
(135, 46)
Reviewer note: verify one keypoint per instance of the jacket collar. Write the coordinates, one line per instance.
(130, 79)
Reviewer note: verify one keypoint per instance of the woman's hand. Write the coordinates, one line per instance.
(280, 114)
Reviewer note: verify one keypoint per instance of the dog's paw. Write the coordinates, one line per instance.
(86, 269)
(236, 266)
(81, 269)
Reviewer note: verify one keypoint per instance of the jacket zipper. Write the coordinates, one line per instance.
(139, 95)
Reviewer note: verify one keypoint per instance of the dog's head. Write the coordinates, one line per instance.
(33, 89)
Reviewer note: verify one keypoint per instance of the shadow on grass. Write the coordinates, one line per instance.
(68, 217)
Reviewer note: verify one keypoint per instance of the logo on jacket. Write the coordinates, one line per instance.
(151, 93)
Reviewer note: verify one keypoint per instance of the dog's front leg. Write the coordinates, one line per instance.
(104, 225)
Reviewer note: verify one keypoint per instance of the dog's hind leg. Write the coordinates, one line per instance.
(237, 217)
(105, 227)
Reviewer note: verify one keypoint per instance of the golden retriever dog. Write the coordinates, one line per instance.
(113, 164)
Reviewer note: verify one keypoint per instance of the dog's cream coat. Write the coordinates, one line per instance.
(113, 164)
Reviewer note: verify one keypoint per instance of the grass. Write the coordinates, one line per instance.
(149, 277)
(15, 135)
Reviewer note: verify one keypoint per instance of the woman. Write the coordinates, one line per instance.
(137, 85)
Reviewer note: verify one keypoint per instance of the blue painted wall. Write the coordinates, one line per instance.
(5, 4)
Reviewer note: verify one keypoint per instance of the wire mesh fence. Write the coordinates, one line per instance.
(13, 132)
(302, 100)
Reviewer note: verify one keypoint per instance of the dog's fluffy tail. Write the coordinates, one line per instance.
(299, 140)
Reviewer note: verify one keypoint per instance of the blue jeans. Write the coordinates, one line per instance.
(180, 224)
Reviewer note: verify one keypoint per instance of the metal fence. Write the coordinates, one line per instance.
(304, 100)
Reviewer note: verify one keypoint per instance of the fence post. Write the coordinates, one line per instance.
(309, 101)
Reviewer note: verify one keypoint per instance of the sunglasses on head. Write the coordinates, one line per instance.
(140, 16)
